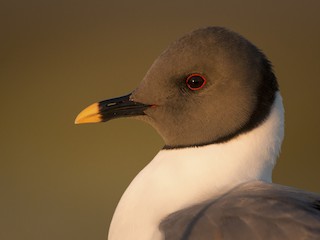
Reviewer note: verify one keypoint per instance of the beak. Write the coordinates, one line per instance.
(110, 109)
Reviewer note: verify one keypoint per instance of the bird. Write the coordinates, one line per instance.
(214, 98)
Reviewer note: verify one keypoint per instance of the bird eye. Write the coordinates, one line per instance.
(195, 81)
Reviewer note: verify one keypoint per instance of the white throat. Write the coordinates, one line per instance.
(178, 178)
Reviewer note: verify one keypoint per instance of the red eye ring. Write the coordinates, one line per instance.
(196, 81)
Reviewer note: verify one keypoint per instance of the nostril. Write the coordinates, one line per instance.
(111, 104)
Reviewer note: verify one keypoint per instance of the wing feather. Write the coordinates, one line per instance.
(254, 210)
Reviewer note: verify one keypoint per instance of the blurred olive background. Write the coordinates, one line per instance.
(62, 181)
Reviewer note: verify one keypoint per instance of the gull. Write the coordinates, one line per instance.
(214, 99)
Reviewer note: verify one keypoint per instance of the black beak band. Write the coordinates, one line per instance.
(120, 107)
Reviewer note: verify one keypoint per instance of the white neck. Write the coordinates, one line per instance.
(178, 178)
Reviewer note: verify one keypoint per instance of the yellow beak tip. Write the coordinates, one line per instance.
(77, 121)
(89, 115)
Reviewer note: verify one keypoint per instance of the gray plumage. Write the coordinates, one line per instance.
(254, 210)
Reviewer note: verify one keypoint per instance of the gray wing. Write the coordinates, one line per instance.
(254, 210)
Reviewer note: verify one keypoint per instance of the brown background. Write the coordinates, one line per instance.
(62, 181)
